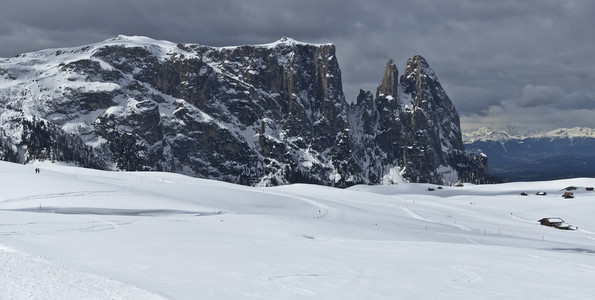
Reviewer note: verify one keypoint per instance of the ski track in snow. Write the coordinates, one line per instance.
(414, 215)
(417, 216)
(287, 284)
(43, 228)
(27, 277)
(66, 195)
(320, 210)
(517, 218)
(461, 227)
(467, 271)
(541, 257)
(471, 240)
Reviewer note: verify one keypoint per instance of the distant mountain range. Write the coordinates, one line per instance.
(517, 154)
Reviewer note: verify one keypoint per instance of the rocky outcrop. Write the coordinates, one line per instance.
(258, 115)
(390, 82)
(413, 130)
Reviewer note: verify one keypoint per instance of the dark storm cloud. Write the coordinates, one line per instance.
(499, 61)
(532, 96)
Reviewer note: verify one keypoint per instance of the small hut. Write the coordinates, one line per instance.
(556, 223)
(541, 193)
(565, 227)
(568, 195)
(552, 222)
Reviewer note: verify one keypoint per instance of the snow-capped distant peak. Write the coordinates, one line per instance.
(571, 132)
(517, 133)
(287, 41)
(282, 42)
(78, 52)
(138, 40)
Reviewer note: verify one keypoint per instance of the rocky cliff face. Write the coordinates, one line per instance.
(259, 115)
(414, 129)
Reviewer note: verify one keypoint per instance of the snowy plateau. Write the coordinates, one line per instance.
(76, 233)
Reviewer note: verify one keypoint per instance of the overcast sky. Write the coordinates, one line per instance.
(507, 62)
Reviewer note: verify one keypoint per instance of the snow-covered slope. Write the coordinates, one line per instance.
(73, 233)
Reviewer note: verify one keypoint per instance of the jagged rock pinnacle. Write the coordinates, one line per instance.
(390, 81)
(418, 65)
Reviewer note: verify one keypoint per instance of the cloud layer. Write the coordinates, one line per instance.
(524, 63)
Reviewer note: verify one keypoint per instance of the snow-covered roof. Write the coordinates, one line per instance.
(554, 220)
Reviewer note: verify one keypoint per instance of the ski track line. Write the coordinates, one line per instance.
(466, 270)
(471, 240)
(63, 195)
(285, 282)
(89, 226)
(416, 216)
(112, 224)
(25, 277)
(586, 231)
(537, 256)
(323, 209)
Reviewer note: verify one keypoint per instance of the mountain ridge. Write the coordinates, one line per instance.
(265, 114)
(518, 155)
(510, 133)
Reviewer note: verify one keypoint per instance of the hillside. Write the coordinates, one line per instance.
(74, 233)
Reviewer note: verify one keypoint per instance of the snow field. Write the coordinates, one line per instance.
(72, 233)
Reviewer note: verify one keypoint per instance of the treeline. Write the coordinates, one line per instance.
(42, 140)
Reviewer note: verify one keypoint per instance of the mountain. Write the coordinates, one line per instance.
(413, 127)
(255, 114)
(516, 133)
(518, 155)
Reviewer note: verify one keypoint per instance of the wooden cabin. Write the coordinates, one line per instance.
(556, 223)
(565, 227)
(568, 195)
(552, 222)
